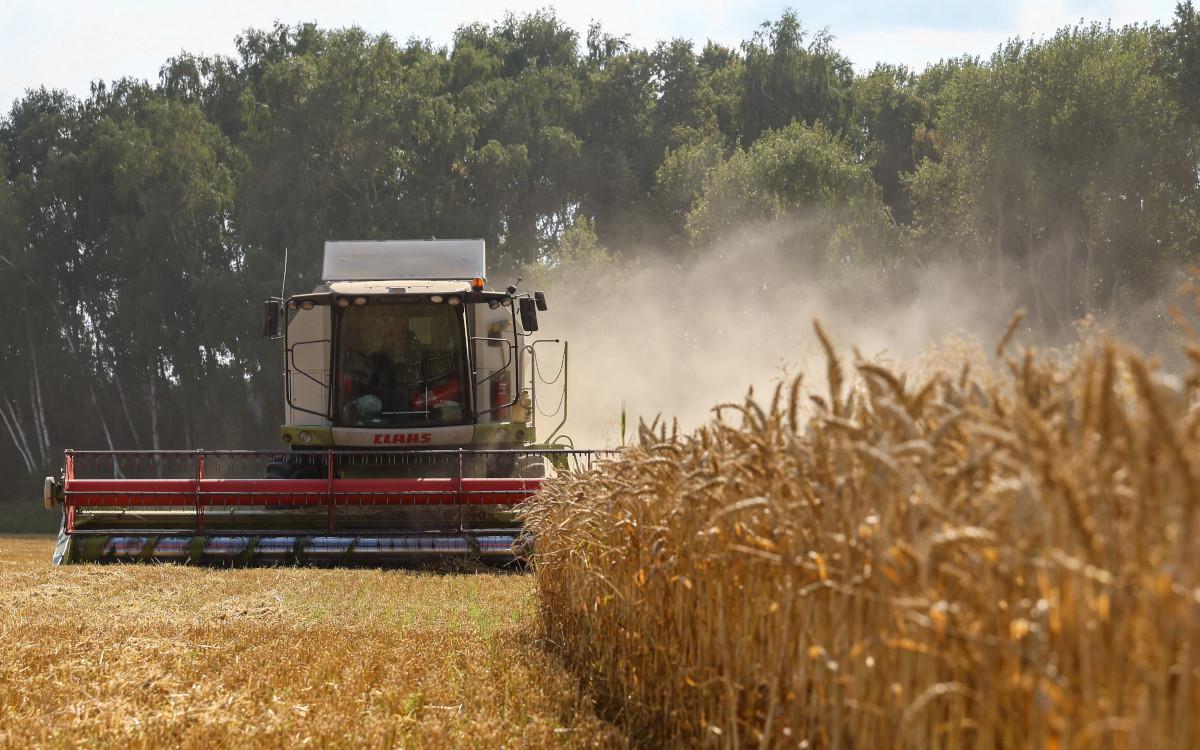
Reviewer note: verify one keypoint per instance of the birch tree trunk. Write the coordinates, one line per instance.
(116, 467)
(137, 441)
(154, 441)
(13, 426)
(39, 409)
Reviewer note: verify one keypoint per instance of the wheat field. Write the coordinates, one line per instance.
(971, 555)
(983, 551)
(173, 656)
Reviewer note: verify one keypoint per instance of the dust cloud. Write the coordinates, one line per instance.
(676, 337)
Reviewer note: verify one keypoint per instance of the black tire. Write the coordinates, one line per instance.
(279, 470)
(532, 467)
(291, 469)
(501, 465)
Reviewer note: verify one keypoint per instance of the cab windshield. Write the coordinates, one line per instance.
(401, 365)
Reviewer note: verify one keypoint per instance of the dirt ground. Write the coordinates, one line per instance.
(158, 656)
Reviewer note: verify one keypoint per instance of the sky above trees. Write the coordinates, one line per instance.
(66, 44)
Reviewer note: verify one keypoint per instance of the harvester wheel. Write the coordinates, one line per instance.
(501, 466)
(50, 496)
(291, 470)
(532, 468)
(309, 472)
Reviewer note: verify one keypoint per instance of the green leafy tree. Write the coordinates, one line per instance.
(786, 79)
(45, 277)
(525, 117)
(355, 137)
(172, 310)
(619, 146)
(799, 173)
(895, 123)
(681, 178)
(1180, 56)
(1068, 164)
(724, 70)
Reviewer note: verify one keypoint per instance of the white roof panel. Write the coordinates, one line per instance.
(378, 260)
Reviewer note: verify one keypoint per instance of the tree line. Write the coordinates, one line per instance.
(141, 226)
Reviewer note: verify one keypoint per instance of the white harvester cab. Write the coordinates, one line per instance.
(401, 345)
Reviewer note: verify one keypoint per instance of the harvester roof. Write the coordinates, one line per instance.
(415, 260)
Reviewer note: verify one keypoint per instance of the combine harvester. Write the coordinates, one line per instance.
(410, 393)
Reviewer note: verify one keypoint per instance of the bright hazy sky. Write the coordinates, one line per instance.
(68, 43)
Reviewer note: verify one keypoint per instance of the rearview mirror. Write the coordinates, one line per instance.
(540, 299)
(528, 315)
(271, 318)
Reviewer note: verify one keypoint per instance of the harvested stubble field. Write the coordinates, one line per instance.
(969, 557)
(171, 656)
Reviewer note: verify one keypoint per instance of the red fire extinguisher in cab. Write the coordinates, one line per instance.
(501, 396)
